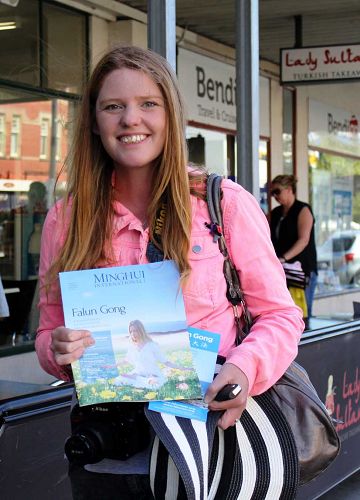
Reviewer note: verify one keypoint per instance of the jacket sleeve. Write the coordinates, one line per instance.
(272, 343)
(50, 305)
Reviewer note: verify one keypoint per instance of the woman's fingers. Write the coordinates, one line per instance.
(69, 345)
(233, 408)
(229, 418)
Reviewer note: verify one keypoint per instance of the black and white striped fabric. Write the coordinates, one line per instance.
(256, 459)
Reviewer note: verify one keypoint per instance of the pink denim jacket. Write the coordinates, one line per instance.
(272, 343)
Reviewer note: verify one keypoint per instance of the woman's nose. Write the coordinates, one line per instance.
(130, 116)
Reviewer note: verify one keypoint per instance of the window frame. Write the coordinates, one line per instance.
(2, 135)
(15, 133)
(44, 138)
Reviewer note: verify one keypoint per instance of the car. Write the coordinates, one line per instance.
(340, 256)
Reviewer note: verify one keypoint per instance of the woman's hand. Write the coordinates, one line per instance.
(229, 374)
(69, 345)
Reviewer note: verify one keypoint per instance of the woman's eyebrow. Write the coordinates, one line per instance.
(140, 98)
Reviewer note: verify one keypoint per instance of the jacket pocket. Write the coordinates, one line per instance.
(206, 283)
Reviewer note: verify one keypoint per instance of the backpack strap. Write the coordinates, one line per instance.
(234, 293)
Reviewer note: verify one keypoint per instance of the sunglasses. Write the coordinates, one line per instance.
(275, 192)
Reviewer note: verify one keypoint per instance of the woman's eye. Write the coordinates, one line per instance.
(149, 104)
(112, 107)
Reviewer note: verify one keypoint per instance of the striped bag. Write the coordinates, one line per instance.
(194, 460)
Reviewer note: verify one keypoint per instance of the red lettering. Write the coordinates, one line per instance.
(348, 418)
(346, 56)
(329, 59)
(351, 388)
(310, 61)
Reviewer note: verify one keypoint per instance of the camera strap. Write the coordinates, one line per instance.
(154, 251)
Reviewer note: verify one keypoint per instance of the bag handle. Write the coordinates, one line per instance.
(234, 292)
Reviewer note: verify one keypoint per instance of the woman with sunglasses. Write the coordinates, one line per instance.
(292, 232)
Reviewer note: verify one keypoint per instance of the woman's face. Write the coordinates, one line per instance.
(134, 335)
(131, 118)
(280, 193)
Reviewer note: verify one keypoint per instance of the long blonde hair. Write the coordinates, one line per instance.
(90, 170)
(140, 328)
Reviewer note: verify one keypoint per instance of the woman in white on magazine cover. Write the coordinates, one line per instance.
(131, 193)
(146, 357)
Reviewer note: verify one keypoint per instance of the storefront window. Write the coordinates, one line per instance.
(42, 72)
(64, 57)
(335, 199)
(36, 135)
(20, 45)
(35, 50)
(209, 148)
(334, 163)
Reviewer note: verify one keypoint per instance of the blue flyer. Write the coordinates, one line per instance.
(204, 347)
(136, 316)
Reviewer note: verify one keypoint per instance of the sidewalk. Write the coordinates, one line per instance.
(346, 490)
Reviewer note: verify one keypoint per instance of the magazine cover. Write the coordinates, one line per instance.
(137, 317)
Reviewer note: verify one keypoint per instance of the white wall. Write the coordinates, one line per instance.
(132, 32)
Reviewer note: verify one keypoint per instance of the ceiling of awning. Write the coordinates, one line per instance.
(324, 22)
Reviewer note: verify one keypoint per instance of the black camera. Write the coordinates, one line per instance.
(108, 430)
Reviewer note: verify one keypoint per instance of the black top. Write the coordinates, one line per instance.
(284, 236)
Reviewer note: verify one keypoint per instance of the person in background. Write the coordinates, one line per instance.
(128, 164)
(292, 232)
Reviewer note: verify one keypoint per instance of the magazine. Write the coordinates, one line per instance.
(137, 317)
(204, 346)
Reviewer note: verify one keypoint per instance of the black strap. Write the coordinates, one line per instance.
(234, 293)
(154, 251)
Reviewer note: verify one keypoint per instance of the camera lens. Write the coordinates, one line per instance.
(86, 446)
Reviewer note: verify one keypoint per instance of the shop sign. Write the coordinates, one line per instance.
(19, 185)
(209, 88)
(333, 128)
(319, 64)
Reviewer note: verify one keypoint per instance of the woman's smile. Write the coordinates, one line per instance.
(132, 139)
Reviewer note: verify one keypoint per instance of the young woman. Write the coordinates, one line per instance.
(129, 162)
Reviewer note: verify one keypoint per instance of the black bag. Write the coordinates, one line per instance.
(317, 442)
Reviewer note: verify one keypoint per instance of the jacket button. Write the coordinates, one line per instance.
(196, 248)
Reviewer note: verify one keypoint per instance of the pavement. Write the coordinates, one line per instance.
(346, 490)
